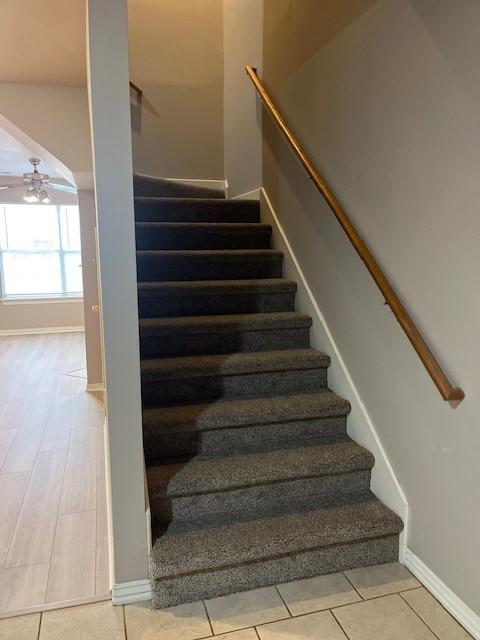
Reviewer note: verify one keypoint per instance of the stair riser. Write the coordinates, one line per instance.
(191, 305)
(165, 239)
(266, 499)
(164, 443)
(196, 212)
(180, 344)
(211, 584)
(152, 268)
(231, 387)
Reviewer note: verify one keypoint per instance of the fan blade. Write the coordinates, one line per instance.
(61, 187)
(4, 187)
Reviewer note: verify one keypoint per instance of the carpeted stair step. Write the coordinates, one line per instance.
(251, 553)
(252, 477)
(259, 424)
(233, 376)
(209, 265)
(267, 482)
(215, 297)
(195, 210)
(145, 185)
(202, 235)
(194, 335)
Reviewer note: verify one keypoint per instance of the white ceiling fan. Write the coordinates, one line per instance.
(37, 183)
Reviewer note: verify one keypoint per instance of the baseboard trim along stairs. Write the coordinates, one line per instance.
(360, 426)
(252, 476)
(452, 603)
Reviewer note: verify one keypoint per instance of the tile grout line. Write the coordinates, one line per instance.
(284, 602)
(208, 617)
(124, 618)
(39, 626)
(264, 624)
(418, 615)
(344, 574)
(339, 623)
(340, 606)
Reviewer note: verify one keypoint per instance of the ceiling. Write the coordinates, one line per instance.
(14, 160)
(43, 42)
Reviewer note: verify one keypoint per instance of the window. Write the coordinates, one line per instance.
(40, 251)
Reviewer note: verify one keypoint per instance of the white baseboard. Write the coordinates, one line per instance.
(249, 195)
(452, 603)
(35, 330)
(129, 592)
(199, 182)
(95, 386)
(222, 185)
(384, 482)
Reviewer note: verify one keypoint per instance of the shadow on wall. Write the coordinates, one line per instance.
(138, 102)
(176, 132)
(311, 24)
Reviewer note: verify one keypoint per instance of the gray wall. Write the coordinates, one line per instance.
(176, 58)
(242, 29)
(385, 96)
(22, 316)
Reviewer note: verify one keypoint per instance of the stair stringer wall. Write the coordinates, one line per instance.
(360, 427)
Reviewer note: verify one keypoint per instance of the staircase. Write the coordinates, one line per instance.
(251, 476)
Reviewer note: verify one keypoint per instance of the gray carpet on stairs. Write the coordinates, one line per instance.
(252, 478)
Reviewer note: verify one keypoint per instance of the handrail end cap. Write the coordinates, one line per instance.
(455, 397)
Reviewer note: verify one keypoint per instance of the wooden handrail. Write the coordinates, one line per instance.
(447, 391)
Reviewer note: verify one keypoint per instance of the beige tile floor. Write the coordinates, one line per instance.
(52, 483)
(384, 603)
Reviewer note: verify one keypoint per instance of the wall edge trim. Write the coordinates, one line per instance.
(452, 603)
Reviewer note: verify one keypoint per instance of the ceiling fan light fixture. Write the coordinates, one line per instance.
(31, 195)
(43, 196)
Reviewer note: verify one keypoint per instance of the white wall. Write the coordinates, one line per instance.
(242, 32)
(107, 46)
(385, 97)
(88, 226)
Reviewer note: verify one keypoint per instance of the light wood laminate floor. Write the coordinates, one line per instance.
(53, 527)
